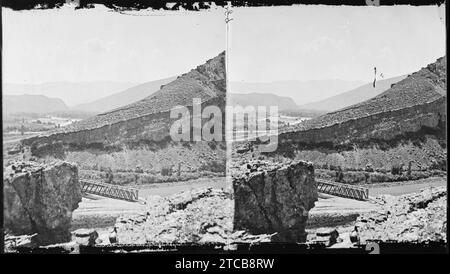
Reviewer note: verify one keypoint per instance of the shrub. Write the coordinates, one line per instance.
(139, 169)
(353, 177)
(109, 176)
(186, 144)
(339, 174)
(179, 170)
(223, 146)
(367, 177)
(368, 168)
(214, 166)
(325, 174)
(377, 177)
(125, 178)
(166, 171)
(397, 169)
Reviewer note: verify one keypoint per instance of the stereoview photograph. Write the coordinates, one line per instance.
(223, 128)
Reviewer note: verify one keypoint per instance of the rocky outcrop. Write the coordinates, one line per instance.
(202, 216)
(418, 217)
(40, 198)
(274, 198)
(414, 105)
(379, 127)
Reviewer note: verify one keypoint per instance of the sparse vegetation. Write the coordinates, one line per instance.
(214, 166)
(397, 169)
(166, 171)
(429, 155)
(362, 177)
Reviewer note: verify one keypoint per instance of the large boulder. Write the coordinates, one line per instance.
(274, 198)
(40, 198)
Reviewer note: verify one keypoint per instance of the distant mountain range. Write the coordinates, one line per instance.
(270, 96)
(261, 99)
(353, 96)
(302, 92)
(71, 93)
(32, 104)
(124, 97)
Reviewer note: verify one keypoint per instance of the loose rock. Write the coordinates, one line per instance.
(85, 237)
(203, 216)
(418, 217)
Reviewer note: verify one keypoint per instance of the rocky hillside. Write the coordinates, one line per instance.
(32, 104)
(415, 103)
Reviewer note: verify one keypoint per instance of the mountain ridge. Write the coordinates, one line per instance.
(302, 92)
(353, 96)
(124, 97)
(65, 90)
(29, 103)
(261, 99)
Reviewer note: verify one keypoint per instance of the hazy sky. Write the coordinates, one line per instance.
(338, 42)
(267, 43)
(100, 45)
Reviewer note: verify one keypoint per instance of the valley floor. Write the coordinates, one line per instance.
(329, 211)
(101, 212)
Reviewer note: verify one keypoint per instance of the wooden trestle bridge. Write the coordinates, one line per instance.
(110, 191)
(132, 194)
(343, 190)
